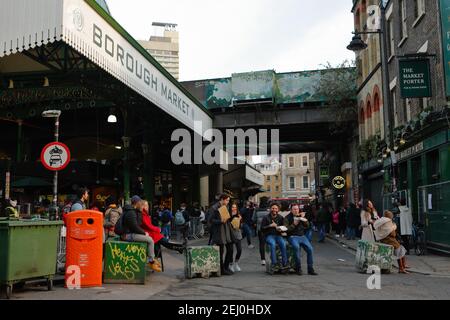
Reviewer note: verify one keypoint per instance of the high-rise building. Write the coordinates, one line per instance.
(164, 46)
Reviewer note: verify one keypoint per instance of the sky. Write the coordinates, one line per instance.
(218, 38)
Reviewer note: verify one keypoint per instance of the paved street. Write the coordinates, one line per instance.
(337, 280)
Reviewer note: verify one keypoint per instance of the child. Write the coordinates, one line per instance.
(385, 232)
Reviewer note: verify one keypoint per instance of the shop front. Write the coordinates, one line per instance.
(423, 168)
(118, 107)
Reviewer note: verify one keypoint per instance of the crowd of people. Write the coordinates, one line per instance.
(275, 225)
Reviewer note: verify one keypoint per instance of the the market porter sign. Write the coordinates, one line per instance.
(415, 78)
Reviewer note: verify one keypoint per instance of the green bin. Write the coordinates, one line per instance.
(28, 250)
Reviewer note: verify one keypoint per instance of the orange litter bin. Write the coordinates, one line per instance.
(84, 249)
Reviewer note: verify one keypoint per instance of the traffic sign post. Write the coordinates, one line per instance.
(55, 156)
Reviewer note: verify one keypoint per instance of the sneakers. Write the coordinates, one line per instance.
(231, 267)
(227, 272)
(236, 267)
(155, 266)
(337, 236)
(263, 262)
(311, 272)
(298, 272)
(250, 246)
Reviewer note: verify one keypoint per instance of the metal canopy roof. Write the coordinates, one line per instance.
(90, 30)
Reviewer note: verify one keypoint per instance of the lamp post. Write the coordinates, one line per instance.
(356, 45)
(54, 114)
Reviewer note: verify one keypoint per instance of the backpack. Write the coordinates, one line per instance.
(119, 227)
(165, 217)
(179, 218)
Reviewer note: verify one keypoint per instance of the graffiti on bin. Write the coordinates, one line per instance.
(125, 262)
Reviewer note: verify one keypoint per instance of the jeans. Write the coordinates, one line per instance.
(322, 231)
(165, 230)
(297, 243)
(309, 234)
(351, 233)
(132, 237)
(247, 233)
(272, 241)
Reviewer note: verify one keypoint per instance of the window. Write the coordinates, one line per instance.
(305, 182)
(268, 178)
(268, 188)
(276, 178)
(369, 119)
(291, 183)
(403, 26)
(305, 161)
(291, 162)
(362, 128)
(376, 113)
(277, 188)
(419, 8)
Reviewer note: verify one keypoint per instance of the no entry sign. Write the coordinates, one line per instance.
(55, 156)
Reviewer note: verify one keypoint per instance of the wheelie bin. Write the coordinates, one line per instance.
(84, 248)
(28, 251)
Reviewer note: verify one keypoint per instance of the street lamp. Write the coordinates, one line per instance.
(356, 45)
(54, 114)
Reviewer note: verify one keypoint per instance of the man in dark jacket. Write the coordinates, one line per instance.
(132, 232)
(353, 221)
(221, 234)
(247, 215)
(323, 219)
(297, 224)
(271, 228)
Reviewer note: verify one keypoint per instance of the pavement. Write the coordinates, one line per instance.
(432, 264)
(338, 279)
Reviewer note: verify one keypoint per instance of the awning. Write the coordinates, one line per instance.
(30, 182)
(86, 27)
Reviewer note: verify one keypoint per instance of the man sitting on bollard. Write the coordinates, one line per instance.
(297, 225)
(132, 231)
(273, 228)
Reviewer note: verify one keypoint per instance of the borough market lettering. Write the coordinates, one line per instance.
(135, 67)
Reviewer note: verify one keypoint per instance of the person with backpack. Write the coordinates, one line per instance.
(166, 219)
(181, 221)
(81, 200)
(153, 231)
(129, 228)
(112, 215)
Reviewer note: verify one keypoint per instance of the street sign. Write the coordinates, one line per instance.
(55, 156)
(324, 172)
(415, 78)
(338, 182)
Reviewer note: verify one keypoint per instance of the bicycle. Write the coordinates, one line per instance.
(419, 240)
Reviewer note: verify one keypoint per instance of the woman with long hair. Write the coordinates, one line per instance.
(153, 231)
(368, 217)
(236, 223)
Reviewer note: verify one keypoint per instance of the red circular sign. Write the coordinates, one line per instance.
(55, 156)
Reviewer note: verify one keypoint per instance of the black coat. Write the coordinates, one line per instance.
(221, 233)
(353, 217)
(132, 220)
(267, 221)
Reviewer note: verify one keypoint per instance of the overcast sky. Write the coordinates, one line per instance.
(221, 37)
